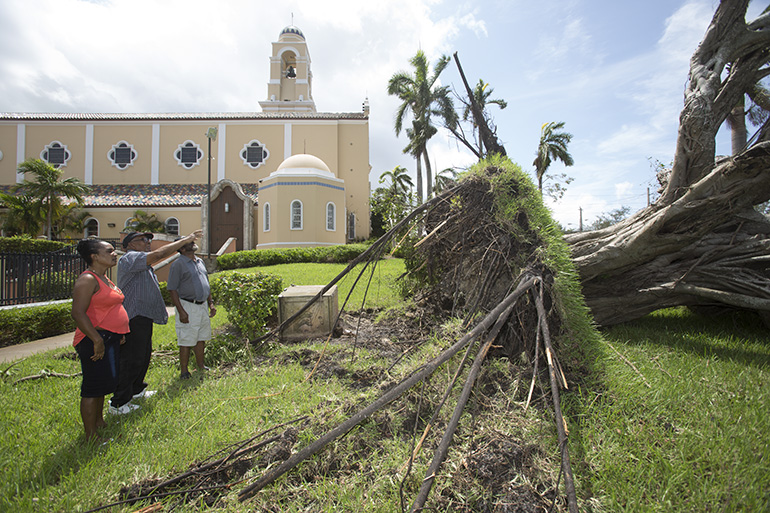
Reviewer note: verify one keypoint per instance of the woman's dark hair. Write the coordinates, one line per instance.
(88, 247)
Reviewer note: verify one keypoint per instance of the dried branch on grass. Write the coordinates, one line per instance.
(46, 374)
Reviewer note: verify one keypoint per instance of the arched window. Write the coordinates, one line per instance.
(331, 217)
(296, 215)
(266, 218)
(172, 226)
(130, 223)
(91, 228)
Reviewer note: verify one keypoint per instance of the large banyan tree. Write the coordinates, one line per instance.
(702, 243)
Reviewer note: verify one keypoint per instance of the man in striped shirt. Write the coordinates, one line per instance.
(145, 306)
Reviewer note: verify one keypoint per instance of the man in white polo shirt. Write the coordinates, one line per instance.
(188, 285)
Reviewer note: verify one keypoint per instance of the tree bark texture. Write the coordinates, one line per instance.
(701, 242)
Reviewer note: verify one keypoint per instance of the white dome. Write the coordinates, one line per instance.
(303, 164)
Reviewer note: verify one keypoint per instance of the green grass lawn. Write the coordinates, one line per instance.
(684, 429)
(381, 279)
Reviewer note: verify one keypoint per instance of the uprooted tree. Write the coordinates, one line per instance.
(489, 252)
(701, 243)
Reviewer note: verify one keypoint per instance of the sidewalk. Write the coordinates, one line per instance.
(15, 352)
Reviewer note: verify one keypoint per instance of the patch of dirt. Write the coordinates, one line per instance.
(496, 462)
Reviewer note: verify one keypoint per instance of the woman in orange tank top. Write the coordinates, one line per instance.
(97, 308)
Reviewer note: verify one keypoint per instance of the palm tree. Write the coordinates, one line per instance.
(23, 215)
(552, 146)
(72, 221)
(422, 98)
(445, 179)
(400, 181)
(49, 188)
(757, 114)
(481, 94)
(143, 221)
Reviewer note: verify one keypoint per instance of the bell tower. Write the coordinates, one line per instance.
(291, 80)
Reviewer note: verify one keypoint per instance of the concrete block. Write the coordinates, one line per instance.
(316, 321)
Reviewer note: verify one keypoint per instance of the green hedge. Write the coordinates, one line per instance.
(18, 325)
(25, 244)
(57, 285)
(165, 293)
(262, 257)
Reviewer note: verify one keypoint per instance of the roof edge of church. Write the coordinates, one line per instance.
(201, 116)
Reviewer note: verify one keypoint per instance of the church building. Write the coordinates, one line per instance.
(287, 176)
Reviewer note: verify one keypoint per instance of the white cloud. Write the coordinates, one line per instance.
(623, 189)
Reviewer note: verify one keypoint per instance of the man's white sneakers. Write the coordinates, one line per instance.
(144, 394)
(122, 410)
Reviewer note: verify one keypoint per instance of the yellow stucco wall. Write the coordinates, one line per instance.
(189, 218)
(8, 164)
(271, 135)
(354, 169)
(105, 136)
(314, 200)
(319, 139)
(38, 136)
(171, 136)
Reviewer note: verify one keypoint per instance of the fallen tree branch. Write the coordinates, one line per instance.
(526, 282)
(630, 364)
(443, 447)
(569, 482)
(239, 451)
(47, 374)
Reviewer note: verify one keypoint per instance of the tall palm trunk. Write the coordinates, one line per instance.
(428, 173)
(419, 179)
(49, 219)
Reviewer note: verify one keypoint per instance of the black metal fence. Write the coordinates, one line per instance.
(32, 278)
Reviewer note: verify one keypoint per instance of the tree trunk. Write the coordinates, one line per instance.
(701, 242)
(736, 120)
(419, 179)
(428, 174)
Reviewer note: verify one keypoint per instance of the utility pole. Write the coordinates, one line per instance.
(581, 218)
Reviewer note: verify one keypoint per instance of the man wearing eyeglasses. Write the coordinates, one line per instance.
(144, 305)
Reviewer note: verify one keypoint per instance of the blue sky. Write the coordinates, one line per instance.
(614, 71)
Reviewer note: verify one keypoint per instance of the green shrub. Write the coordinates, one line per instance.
(250, 299)
(23, 324)
(165, 293)
(263, 257)
(55, 285)
(24, 244)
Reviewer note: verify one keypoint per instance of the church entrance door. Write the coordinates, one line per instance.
(226, 219)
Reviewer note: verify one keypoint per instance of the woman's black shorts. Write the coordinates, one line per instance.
(100, 377)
